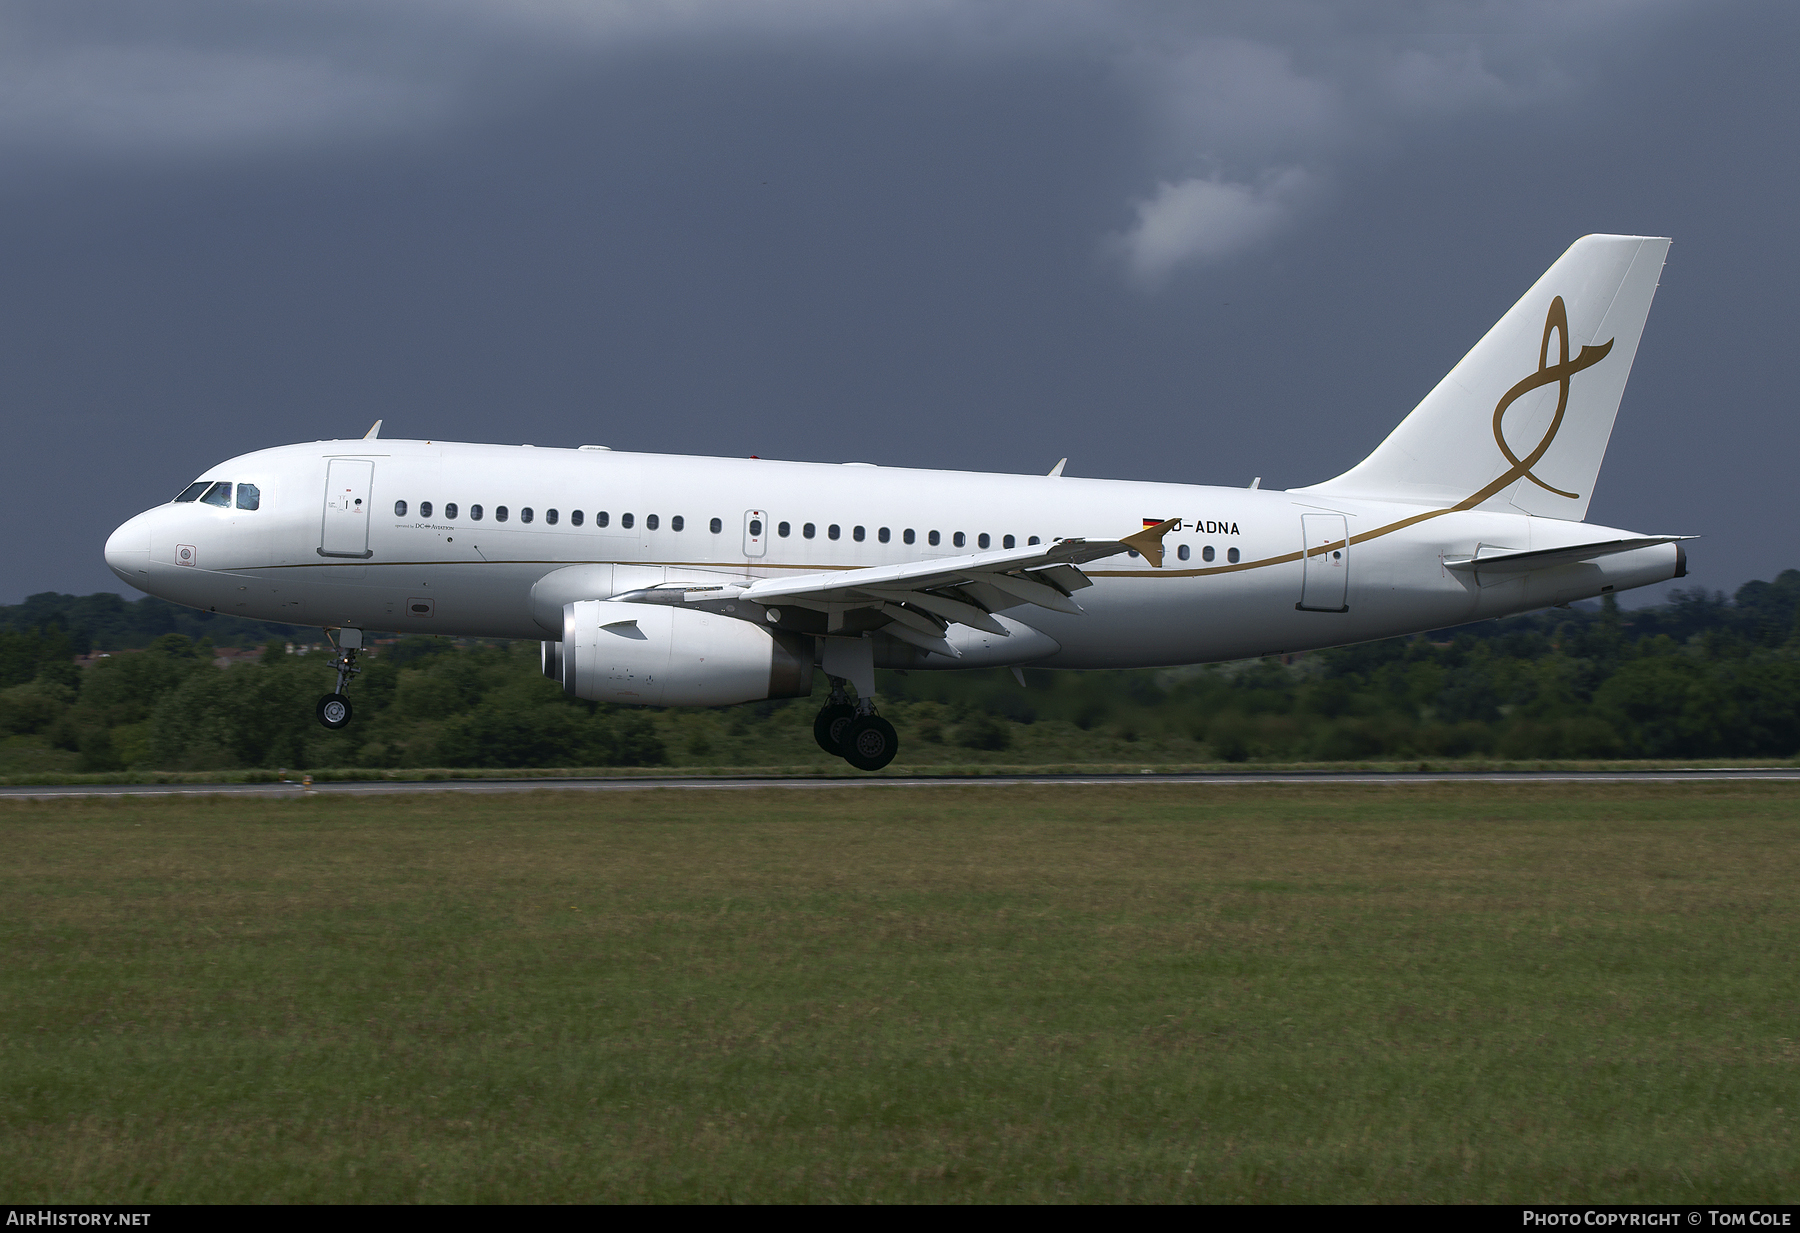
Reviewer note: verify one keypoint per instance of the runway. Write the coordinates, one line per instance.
(376, 787)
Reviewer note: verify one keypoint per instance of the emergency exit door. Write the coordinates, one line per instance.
(756, 532)
(346, 528)
(1325, 584)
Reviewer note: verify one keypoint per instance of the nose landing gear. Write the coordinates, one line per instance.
(334, 709)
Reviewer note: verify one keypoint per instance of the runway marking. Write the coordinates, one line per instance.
(1223, 779)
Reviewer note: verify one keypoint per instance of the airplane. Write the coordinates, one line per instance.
(665, 580)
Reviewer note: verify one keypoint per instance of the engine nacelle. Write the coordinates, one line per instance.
(662, 655)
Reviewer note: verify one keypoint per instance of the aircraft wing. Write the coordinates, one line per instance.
(921, 599)
(1502, 561)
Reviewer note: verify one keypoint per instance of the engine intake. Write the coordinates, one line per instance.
(659, 655)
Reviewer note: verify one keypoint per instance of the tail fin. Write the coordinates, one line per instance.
(1521, 424)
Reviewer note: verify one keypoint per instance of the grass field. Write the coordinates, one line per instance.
(1428, 992)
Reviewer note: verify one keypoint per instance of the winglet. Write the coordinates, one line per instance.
(1149, 540)
(1057, 469)
(374, 431)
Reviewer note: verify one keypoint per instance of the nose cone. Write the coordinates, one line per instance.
(128, 551)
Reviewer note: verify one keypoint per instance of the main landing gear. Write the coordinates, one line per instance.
(853, 731)
(334, 708)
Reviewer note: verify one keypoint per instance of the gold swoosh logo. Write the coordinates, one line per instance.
(1555, 322)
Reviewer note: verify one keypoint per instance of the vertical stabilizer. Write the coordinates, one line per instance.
(1521, 424)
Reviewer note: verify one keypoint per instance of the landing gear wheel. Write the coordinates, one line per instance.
(829, 727)
(870, 743)
(334, 711)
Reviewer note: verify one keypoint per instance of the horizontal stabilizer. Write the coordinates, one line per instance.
(1503, 561)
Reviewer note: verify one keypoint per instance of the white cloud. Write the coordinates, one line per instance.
(1205, 220)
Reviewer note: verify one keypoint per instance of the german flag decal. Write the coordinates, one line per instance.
(1153, 522)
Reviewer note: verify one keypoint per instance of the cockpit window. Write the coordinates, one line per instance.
(219, 494)
(192, 491)
(249, 496)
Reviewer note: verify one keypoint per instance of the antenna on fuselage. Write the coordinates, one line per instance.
(374, 431)
(1057, 469)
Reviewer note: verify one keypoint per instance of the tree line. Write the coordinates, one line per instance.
(1702, 675)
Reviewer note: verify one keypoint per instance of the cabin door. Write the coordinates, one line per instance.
(347, 495)
(1325, 585)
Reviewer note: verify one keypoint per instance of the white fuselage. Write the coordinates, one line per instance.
(1236, 592)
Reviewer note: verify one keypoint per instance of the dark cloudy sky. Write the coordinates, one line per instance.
(1192, 242)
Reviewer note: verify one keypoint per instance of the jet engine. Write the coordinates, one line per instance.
(661, 655)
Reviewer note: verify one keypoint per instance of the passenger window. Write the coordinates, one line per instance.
(982, 541)
(1206, 553)
(525, 515)
(933, 538)
(219, 494)
(907, 535)
(192, 491)
(756, 526)
(857, 534)
(716, 525)
(399, 509)
(601, 518)
(499, 513)
(1231, 555)
(574, 517)
(625, 520)
(1182, 552)
(249, 496)
(1008, 542)
(809, 530)
(884, 535)
(450, 509)
(475, 512)
(677, 523)
(959, 539)
(550, 517)
(1034, 540)
(831, 532)
(783, 529)
(424, 507)
(651, 522)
